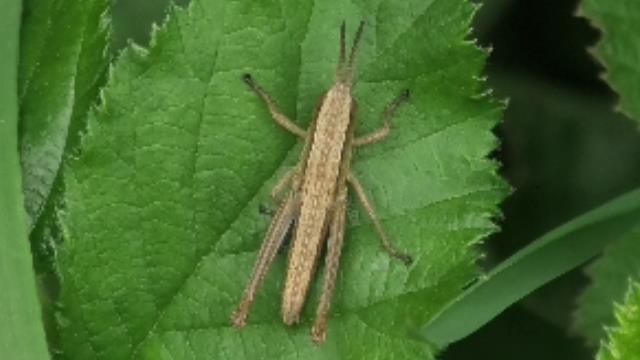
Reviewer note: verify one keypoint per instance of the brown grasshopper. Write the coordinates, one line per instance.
(316, 202)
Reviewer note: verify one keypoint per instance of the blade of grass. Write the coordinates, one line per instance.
(555, 253)
(21, 335)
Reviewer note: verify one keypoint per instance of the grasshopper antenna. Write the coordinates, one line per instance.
(342, 47)
(345, 67)
(355, 46)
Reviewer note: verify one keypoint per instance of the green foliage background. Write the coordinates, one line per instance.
(141, 200)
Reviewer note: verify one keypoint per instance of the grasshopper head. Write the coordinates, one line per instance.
(345, 70)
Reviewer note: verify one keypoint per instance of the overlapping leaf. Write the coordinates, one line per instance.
(619, 51)
(63, 61)
(624, 339)
(610, 275)
(619, 48)
(161, 216)
(21, 334)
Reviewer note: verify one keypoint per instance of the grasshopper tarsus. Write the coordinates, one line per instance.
(248, 79)
(393, 106)
(239, 317)
(406, 259)
(397, 254)
(265, 210)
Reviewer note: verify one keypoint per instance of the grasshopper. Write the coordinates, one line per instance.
(316, 201)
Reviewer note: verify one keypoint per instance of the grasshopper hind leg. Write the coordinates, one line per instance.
(368, 205)
(335, 243)
(278, 230)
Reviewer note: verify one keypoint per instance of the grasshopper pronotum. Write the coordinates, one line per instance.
(317, 198)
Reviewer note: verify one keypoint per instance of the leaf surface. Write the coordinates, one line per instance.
(161, 220)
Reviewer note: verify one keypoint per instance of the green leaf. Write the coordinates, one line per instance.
(21, 334)
(624, 339)
(609, 275)
(545, 259)
(619, 48)
(161, 220)
(63, 61)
